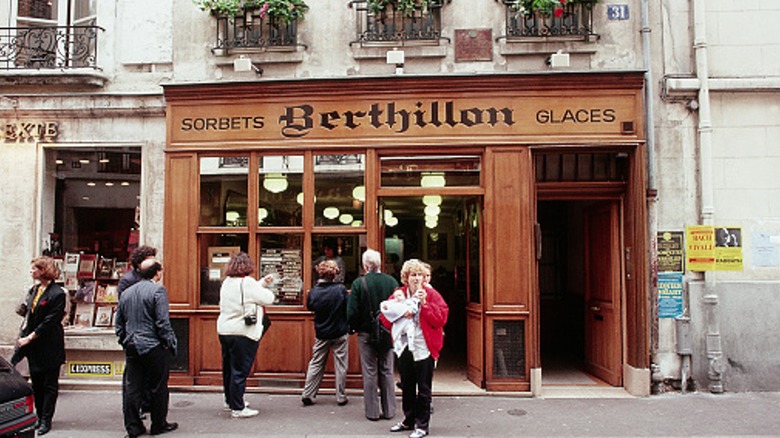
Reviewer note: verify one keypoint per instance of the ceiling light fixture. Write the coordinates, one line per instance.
(275, 182)
(431, 200)
(331, 212)
(433, 179)
(359, 193)
(346, 218)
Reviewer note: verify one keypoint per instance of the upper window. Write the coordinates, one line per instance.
(51, 34)
(393, 21)
(431, 171)
(532, 19)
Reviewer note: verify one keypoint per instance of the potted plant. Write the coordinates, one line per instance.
(542, 7)
(406, 7)
(282, 10)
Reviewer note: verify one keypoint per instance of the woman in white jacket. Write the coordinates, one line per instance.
(240, 294)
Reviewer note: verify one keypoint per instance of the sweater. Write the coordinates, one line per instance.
(231, 313)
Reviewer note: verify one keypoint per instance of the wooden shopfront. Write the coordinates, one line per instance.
(524, 192)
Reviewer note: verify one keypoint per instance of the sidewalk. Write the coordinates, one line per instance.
(93, 414)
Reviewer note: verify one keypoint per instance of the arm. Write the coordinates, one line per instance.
(163, 321)
(119, 324)
(257, 292)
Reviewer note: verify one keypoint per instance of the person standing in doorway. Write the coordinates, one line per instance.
(328, 300)
(42, 339)
(143, 325)
(240, 296)
(377, 366)
(330, 252)
(416, 363)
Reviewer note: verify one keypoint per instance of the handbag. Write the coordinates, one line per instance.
(379, 336)
(250, 317)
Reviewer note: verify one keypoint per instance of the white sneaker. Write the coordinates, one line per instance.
(244, 413)
(226, 406)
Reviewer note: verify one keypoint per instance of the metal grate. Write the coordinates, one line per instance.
(423, 24)
(509, 349)
(51, 47)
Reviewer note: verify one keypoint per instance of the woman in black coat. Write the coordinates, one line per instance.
(42, 339)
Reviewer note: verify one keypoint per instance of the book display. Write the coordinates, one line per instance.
(286, 267)
(91, 281)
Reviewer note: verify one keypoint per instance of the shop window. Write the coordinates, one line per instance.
(215, 253)
(223, 191)
(509, 349)
(431, 171)
(339, 189)
(345, 249)
(281, 191)
(281, 255)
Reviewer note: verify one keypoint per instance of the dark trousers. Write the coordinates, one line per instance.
(46, 387)
(238, 355)
(416, 387)
(150, 369)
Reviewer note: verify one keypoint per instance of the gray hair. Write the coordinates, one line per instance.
(372, 260)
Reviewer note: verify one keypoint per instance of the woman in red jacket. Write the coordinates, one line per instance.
(416, 364)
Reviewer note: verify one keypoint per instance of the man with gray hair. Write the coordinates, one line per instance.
(377, 366)
(143, 325)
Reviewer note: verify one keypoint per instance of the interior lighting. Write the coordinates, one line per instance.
(431, 223)
(346, 218)
(109, 184)
(103, 160)
(357, 223)
(432, 200)
(299, 198)
(359, 193)
(125, 183)
(275, 182)
(91, 184)
(84, 161)
(432, 210)
(432, 179)
(391, 221)
(331, 212)
(262, 213)
(388, 214)
(58, 162)
(231, 216)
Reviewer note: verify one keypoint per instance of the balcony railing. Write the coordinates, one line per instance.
(254, 30)
(395, 26)
(576, 22)
(49, 47)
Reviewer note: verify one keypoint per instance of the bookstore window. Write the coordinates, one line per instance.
(91, 204)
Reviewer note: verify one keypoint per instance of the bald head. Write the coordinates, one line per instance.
(150, 268)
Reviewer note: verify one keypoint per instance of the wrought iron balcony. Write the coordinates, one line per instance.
(391, 25)
(49, 47)
(575, 22)
(254, 30)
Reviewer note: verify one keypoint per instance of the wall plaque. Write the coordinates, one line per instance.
(473, 45)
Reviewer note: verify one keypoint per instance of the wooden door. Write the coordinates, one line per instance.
(603, 346)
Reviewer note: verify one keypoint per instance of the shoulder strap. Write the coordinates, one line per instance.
(369, 296)
(241, 286)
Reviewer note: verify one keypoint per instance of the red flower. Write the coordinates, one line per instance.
(559, 12)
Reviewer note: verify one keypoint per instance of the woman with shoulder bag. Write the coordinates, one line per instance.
(241, 298)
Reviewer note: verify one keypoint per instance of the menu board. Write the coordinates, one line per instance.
(286, 267)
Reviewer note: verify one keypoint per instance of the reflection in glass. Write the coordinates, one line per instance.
(215, 253)
(223, 189)
(282, 256)
(281, 180)
(431, 171)
(339, 189)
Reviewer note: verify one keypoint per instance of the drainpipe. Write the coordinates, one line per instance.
(713, 341)
(651, 191)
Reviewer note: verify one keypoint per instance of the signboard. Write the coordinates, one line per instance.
(670, 295)
(670, 251)
(90, 369)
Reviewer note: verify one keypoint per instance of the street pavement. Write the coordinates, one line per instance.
(93, 413)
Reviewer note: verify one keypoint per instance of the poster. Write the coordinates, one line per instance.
(766, 249)
(728, 249)
(670, 295)
(700, 247)
(670, 251)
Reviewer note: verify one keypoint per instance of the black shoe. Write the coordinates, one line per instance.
(44, 428)
(169, 427)
(307, 401)
(343, 402)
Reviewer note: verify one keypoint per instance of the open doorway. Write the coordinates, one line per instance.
(450, 244)
(579, 291)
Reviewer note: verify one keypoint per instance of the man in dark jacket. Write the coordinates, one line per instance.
(328, 300)
(377, 366)
(144, 329)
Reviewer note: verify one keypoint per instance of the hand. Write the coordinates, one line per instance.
(421, 295)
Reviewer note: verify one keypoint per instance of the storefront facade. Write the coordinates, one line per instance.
(506, 184)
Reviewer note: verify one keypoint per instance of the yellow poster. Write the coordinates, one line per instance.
(728, 249)
(700, 247)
